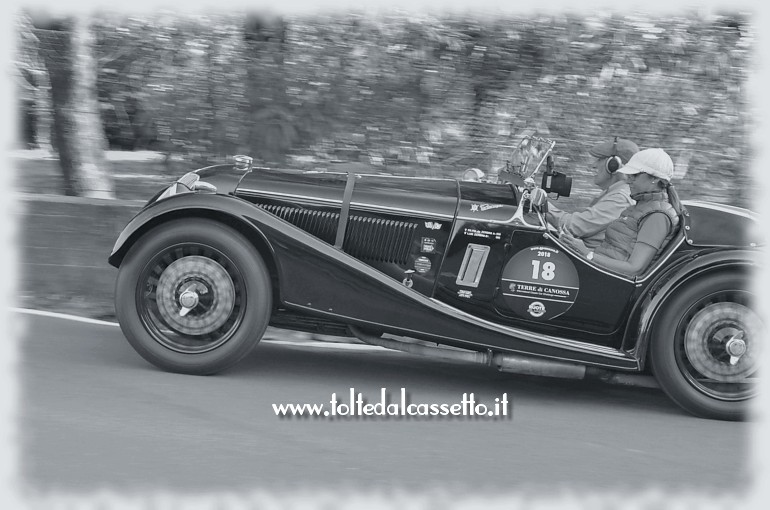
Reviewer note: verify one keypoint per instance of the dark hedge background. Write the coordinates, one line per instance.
(428, 95)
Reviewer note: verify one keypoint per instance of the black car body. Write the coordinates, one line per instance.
(227, 250)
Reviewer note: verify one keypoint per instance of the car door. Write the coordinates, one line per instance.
(545, 285)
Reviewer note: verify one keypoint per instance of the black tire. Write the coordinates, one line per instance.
(696, 344)
(217, 275)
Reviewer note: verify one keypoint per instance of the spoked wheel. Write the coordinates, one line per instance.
(707, 345)
(193, 296)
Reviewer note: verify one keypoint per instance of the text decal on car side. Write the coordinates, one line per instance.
(539, 283)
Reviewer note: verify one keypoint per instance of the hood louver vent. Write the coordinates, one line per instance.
(378, 239)
(321, 224)
(366, 238)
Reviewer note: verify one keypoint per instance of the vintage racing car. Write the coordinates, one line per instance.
(409, 263)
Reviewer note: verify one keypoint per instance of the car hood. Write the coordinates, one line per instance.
(399, 195)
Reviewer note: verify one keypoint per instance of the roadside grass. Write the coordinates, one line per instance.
(137, 176)
(79, 305)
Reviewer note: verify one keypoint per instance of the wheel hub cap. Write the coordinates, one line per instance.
(188, 300)
(735, 347)
(723, 342)
(195, 295)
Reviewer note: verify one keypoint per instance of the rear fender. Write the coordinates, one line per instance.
(639, 330)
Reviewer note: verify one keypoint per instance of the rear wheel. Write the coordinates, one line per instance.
(707, 345)
(193, 296)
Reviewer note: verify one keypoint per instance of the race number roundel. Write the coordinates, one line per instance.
(539, 283)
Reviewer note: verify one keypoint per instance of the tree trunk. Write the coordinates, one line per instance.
(78, 133)
(43, 115)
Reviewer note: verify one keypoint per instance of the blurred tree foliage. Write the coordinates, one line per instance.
(432, 95)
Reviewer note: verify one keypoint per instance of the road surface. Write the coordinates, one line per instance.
(94, 415)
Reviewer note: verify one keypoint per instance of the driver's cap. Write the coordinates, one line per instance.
(624, 149)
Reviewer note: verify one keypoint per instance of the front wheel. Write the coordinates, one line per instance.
(193, 296)
(707, 345)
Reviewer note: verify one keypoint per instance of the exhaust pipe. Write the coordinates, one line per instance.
(504, 362)
(513, 363)
(479, 358)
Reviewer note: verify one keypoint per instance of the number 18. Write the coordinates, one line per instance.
(548, 272)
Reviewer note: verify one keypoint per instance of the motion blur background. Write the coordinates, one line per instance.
(409, 93)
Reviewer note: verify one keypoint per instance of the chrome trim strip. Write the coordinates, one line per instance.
(654, 270)
(384, 208)
(387, 176)
(379, 175)
(288, 195)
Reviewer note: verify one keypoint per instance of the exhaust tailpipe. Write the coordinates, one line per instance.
(529, 365)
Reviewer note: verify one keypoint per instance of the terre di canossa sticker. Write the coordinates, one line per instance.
(539, 283)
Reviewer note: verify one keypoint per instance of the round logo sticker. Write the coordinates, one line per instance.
(536, 309)
(539, 283)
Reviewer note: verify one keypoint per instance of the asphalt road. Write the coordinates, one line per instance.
(94, 415)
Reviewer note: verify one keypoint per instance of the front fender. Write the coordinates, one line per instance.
(640, 328)
(227, 208)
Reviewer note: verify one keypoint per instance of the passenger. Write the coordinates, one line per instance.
(589, 223)
(635, 239)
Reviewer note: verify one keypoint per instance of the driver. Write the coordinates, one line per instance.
(589, 223)
(638, 236)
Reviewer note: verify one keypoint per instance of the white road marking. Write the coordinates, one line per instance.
(327, 345)
(64, 316)
(636, 380)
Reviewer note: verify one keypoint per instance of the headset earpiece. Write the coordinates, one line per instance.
(613, 162)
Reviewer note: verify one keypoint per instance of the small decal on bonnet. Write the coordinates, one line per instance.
(484, 207)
